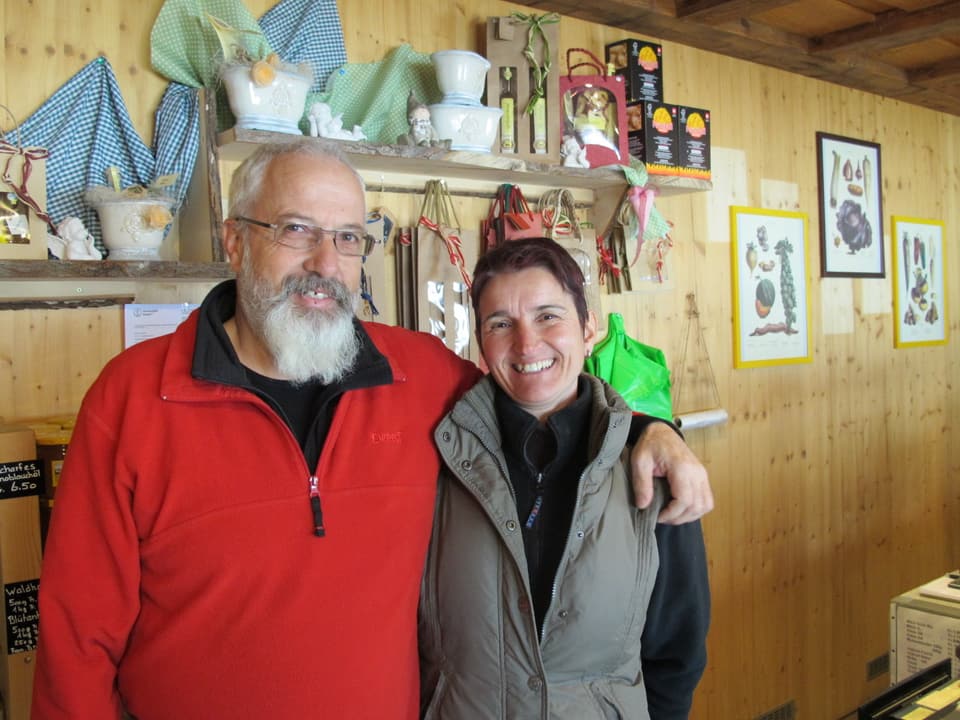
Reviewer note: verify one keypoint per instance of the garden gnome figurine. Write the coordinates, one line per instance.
(422, 131)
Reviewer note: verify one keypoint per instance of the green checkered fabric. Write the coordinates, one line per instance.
(374, 95)
(184, 46)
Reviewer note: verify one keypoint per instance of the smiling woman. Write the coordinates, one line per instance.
(538, 444)
(533, 340)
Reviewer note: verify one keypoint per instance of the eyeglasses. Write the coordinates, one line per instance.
(300, 236)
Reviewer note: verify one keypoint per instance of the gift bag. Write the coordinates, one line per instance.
(510, 218)
(594, 111)
(373, 272)
(559, 213)
(406, 280)
(638, 372)
(444, 254)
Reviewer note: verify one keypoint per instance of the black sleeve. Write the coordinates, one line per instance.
(640, 422)
(674, 646)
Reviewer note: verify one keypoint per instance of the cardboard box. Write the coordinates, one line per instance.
(23, 233)
(923, 631)
(652, 136)
(693, 142)
(20, 483)
(509, 82)
(641, 64)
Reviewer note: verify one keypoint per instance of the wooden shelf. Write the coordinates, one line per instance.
(106, 269)
(235, 144)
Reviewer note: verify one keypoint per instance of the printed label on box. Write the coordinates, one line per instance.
(693, 135)
(641, 64)
(656, 142)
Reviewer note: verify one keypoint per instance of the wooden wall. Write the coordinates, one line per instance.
(834, 480)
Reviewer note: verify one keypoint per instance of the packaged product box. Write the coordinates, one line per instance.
(20, 484)
(652, 136)
(641, 64)
(511, 83)
(693, 140)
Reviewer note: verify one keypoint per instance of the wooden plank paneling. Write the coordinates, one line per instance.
(833, 479)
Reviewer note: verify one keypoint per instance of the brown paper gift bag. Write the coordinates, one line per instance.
(445, 254)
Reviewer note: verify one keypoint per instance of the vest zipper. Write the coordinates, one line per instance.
(537, 503)
(562, 567)
(315, 506)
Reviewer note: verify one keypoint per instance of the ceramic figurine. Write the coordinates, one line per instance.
(323, 123)
(573, 154)
(72, 241)
(422, 131)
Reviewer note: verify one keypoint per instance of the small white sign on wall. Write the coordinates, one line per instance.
(142, 322)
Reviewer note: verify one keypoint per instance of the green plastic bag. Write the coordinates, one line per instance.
(638, 372)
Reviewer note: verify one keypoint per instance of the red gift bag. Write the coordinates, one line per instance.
(510, 218)
(594, 111)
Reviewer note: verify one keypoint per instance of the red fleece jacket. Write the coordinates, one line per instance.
(182, 578)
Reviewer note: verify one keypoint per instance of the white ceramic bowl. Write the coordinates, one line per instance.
(277, 106)
(461, 75)
(127, 232)
(470, 128)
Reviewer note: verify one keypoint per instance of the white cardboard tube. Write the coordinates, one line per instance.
(704, 418)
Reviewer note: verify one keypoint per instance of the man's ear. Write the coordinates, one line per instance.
(232, 242)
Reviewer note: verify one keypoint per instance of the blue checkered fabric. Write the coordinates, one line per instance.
(307, 31)
(176, 136)
(86, 128)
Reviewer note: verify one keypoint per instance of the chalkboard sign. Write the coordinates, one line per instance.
(21, 610)
(20, 478)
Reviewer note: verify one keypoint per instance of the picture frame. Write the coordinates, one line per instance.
(771, 302)
(851, 207)
(919, 282)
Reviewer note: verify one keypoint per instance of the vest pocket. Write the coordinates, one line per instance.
(607, 706)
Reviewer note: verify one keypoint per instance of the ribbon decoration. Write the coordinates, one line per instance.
(535, 25)
(26, 169)
(640, 200)
(663, 247)
(607, 262)
(558, 211)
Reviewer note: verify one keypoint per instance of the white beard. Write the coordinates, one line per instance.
(306, 344)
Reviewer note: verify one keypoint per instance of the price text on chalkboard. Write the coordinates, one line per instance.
(20, 609)
(20, 478)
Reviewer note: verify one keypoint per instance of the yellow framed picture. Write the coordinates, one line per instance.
(919, 282)
(771, 303)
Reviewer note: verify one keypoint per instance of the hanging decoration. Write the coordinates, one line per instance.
(634, 247)
(709, 411)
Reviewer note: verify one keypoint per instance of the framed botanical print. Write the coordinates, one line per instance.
(771, 305)
(851, 217)
(919, 282)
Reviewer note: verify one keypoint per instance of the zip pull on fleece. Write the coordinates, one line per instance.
(315, 506)
(537, 503)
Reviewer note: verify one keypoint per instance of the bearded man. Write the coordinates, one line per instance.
(243, 514)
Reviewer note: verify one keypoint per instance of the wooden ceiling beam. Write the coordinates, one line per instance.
(940, 73)
(892, 29)
(715, 12)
